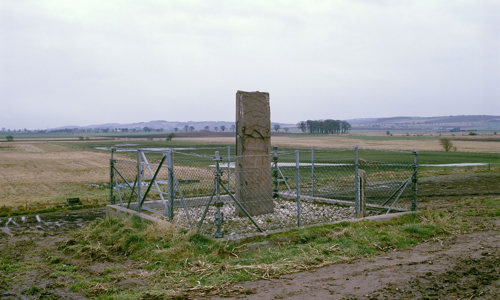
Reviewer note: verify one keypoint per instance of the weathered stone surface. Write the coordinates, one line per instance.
(253, 142)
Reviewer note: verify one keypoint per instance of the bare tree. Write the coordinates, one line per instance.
(303, 126)
(447, 145)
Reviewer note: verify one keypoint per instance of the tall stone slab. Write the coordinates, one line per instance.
(253, 142)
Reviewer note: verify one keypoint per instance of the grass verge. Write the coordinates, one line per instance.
(174, 261)
(131, 259)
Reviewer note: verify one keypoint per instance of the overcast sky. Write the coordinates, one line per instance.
(87, 62)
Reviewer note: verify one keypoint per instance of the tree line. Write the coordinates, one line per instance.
(324, 126)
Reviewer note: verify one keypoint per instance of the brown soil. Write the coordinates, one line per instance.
(464, 267)
(53, 223)
(36, 238)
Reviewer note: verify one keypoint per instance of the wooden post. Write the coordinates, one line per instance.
(361, 190)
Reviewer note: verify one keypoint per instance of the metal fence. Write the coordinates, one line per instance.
(201, 188)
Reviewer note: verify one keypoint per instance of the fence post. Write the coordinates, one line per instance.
(229, 167)
(312, 171)
(219, 215)
(275, 172)
(139, 180)
(171, 184)
(297, 169)
(112, 176)
(357, 205)
(415, 180)
(362, 197)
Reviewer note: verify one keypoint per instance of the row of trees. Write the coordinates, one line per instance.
(221, 128)
(324, 126)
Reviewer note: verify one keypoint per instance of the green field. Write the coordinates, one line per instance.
(42, 174)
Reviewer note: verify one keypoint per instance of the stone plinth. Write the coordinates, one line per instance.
(253, 142)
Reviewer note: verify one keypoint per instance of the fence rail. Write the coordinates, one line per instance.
(196, 187)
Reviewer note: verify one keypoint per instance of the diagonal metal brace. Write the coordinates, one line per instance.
(206, 209)
(152, 181)
(401, 187)
(122, 177)
(241, 207)
(132, 193)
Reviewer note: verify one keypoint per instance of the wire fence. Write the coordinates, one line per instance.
(207, 189)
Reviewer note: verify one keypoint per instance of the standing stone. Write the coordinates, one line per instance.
(253, 142)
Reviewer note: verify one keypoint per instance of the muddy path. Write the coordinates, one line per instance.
(463, 267)
(50, 223)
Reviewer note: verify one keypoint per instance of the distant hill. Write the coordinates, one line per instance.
(443, 123)
(161, 125)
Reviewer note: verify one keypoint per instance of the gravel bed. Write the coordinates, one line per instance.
(283, 217)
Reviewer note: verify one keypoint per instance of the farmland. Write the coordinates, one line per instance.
(46, 173)
(130, 259)
(42, 174)
(401, 142)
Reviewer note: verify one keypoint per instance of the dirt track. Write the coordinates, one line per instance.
(463, 267)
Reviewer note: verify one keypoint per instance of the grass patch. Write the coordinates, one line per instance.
(180, 259)
(482, 208)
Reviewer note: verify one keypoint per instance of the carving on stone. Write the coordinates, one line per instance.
(253, 143)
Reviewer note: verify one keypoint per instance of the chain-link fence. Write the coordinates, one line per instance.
(208, 189)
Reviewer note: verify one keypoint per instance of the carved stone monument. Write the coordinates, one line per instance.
(253, 142)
